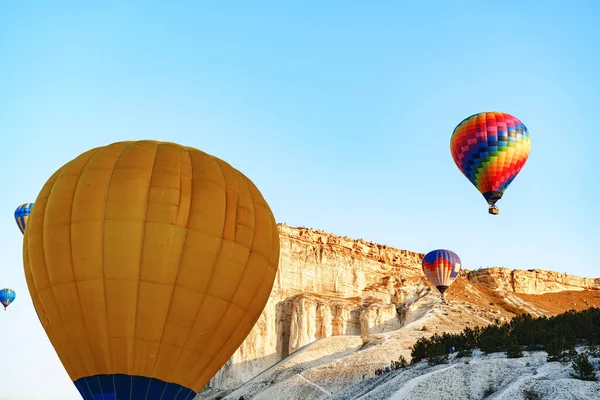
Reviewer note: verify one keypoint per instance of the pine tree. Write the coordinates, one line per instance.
(584, 368)
(513, 350)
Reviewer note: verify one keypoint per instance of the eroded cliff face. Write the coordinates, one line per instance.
(326, 285)
(329, 286)
(531, 281)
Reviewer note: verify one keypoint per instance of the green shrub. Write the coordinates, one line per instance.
(464, 353)
(531, 394)
(560, 349)
(401, 363)
(513, 350)
(488, 392)
(584, 368)
(437, 359)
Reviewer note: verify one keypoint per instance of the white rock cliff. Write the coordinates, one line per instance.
(329, 286)
(326, 285)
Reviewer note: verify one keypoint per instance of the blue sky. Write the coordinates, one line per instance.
(341, 113)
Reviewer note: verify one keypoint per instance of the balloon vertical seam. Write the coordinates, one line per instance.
(182, 251)
(51, 337)
(137, 302)
(214, 264)
(110, 358)
(233, 332)
(88, 373)
(67, 336)
(73, 265)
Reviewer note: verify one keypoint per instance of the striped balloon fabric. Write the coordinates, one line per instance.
(441, 267)
(490, 148)
(22, 214)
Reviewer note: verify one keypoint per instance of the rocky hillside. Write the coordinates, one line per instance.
(533, 281)
(311, 374)
(363, 304)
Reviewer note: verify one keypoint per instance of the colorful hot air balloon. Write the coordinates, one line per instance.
(441, 267)
(22, 214)
(7, 296)
(148, 264)
(490, 148)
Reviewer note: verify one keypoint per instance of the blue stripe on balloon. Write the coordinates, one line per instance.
(128, 387)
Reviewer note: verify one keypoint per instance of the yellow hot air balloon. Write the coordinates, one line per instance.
(148, 264)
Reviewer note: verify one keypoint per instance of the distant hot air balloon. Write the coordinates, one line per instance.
(7, 296)
(22, 214)
(148, 264)
(441, 267)
(490, 148)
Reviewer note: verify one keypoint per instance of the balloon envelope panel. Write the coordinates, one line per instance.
(148, 264)
(490, 148)
(441, 267)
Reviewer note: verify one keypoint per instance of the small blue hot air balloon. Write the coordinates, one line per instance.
(22, 214)
(7, 296)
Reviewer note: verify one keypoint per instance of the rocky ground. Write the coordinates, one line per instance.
(342, 367)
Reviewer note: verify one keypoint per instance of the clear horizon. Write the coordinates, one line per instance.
(340, 113)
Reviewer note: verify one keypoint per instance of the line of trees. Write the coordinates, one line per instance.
(556, 335)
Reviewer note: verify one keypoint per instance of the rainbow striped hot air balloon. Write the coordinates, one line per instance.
(7, 296)
(22, 214)
(490, 148)
(441, 267)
